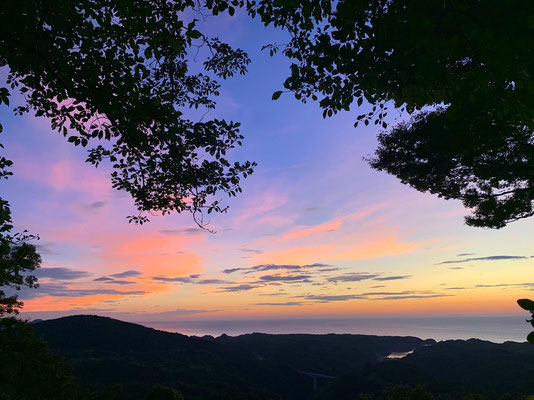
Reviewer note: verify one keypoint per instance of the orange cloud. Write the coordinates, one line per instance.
(349, 248)
(304, 232)
(374, 248)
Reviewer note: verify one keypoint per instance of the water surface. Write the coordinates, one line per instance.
(496, 328)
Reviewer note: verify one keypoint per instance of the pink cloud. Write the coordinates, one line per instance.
(64, 175)
(304, 232)
(262, 206)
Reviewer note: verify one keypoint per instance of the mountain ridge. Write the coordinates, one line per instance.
(105, 352)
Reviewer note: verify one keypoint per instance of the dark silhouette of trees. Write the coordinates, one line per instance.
(400, 392)
(159, 392)
(29, 369)
(528, 305)
(463, 72)
(114, 76)
(18, 259)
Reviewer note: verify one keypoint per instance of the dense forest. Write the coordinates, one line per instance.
(111, 359)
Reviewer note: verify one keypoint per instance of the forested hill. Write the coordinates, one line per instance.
(127, 359)
(105, 351)
(452, 369)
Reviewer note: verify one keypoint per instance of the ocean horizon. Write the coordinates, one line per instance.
(496, 328)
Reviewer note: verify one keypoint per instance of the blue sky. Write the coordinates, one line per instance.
(315, 232)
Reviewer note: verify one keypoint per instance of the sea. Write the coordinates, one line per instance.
(496, 328)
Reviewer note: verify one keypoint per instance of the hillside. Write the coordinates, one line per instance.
(449, 369)
(126, 359)
(130, 357)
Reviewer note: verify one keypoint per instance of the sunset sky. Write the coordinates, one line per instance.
(315, 232)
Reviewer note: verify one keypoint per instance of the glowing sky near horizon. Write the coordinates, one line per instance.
(316, 232)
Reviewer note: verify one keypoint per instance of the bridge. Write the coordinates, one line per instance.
(315, 376)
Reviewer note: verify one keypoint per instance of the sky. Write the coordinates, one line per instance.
(315, 232)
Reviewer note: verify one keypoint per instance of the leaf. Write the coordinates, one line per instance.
(526, 304)
(276, 95)
(360, 101)
(530, 337)
(194, 34)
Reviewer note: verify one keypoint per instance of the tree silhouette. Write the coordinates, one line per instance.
(159, 392)
(528, 305)
(114, 76)
(18, 259)
(29, 369)
(461, 70)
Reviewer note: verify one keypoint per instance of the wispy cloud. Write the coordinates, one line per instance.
(127, 274)
(140, 317)
(392, 278)
(494, 285)
(63, 290)
(488, 258)
(414, 296)
(253, 251)
(285, 278)
(119, 282)
(94, 207)
(288, 303)
(183, 279)
(271, 267)
(211, 282)
(353, 277)
(330, 298)
(329, 269)
(403, 293)
(103, 279)
(408, 294)
(498, 285)
(60, 273)
(238, 288)
(302, 232)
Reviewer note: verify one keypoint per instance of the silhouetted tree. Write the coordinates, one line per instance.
(115, 76)
(528, 305)
(463, 71)
(18, 259)
(30, 370)
(159, 392)
(400, 392)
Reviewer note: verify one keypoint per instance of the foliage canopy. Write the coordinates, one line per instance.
(528, 305)
(461, 70)
(18, 259)
(115, 76)
(29, 369)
